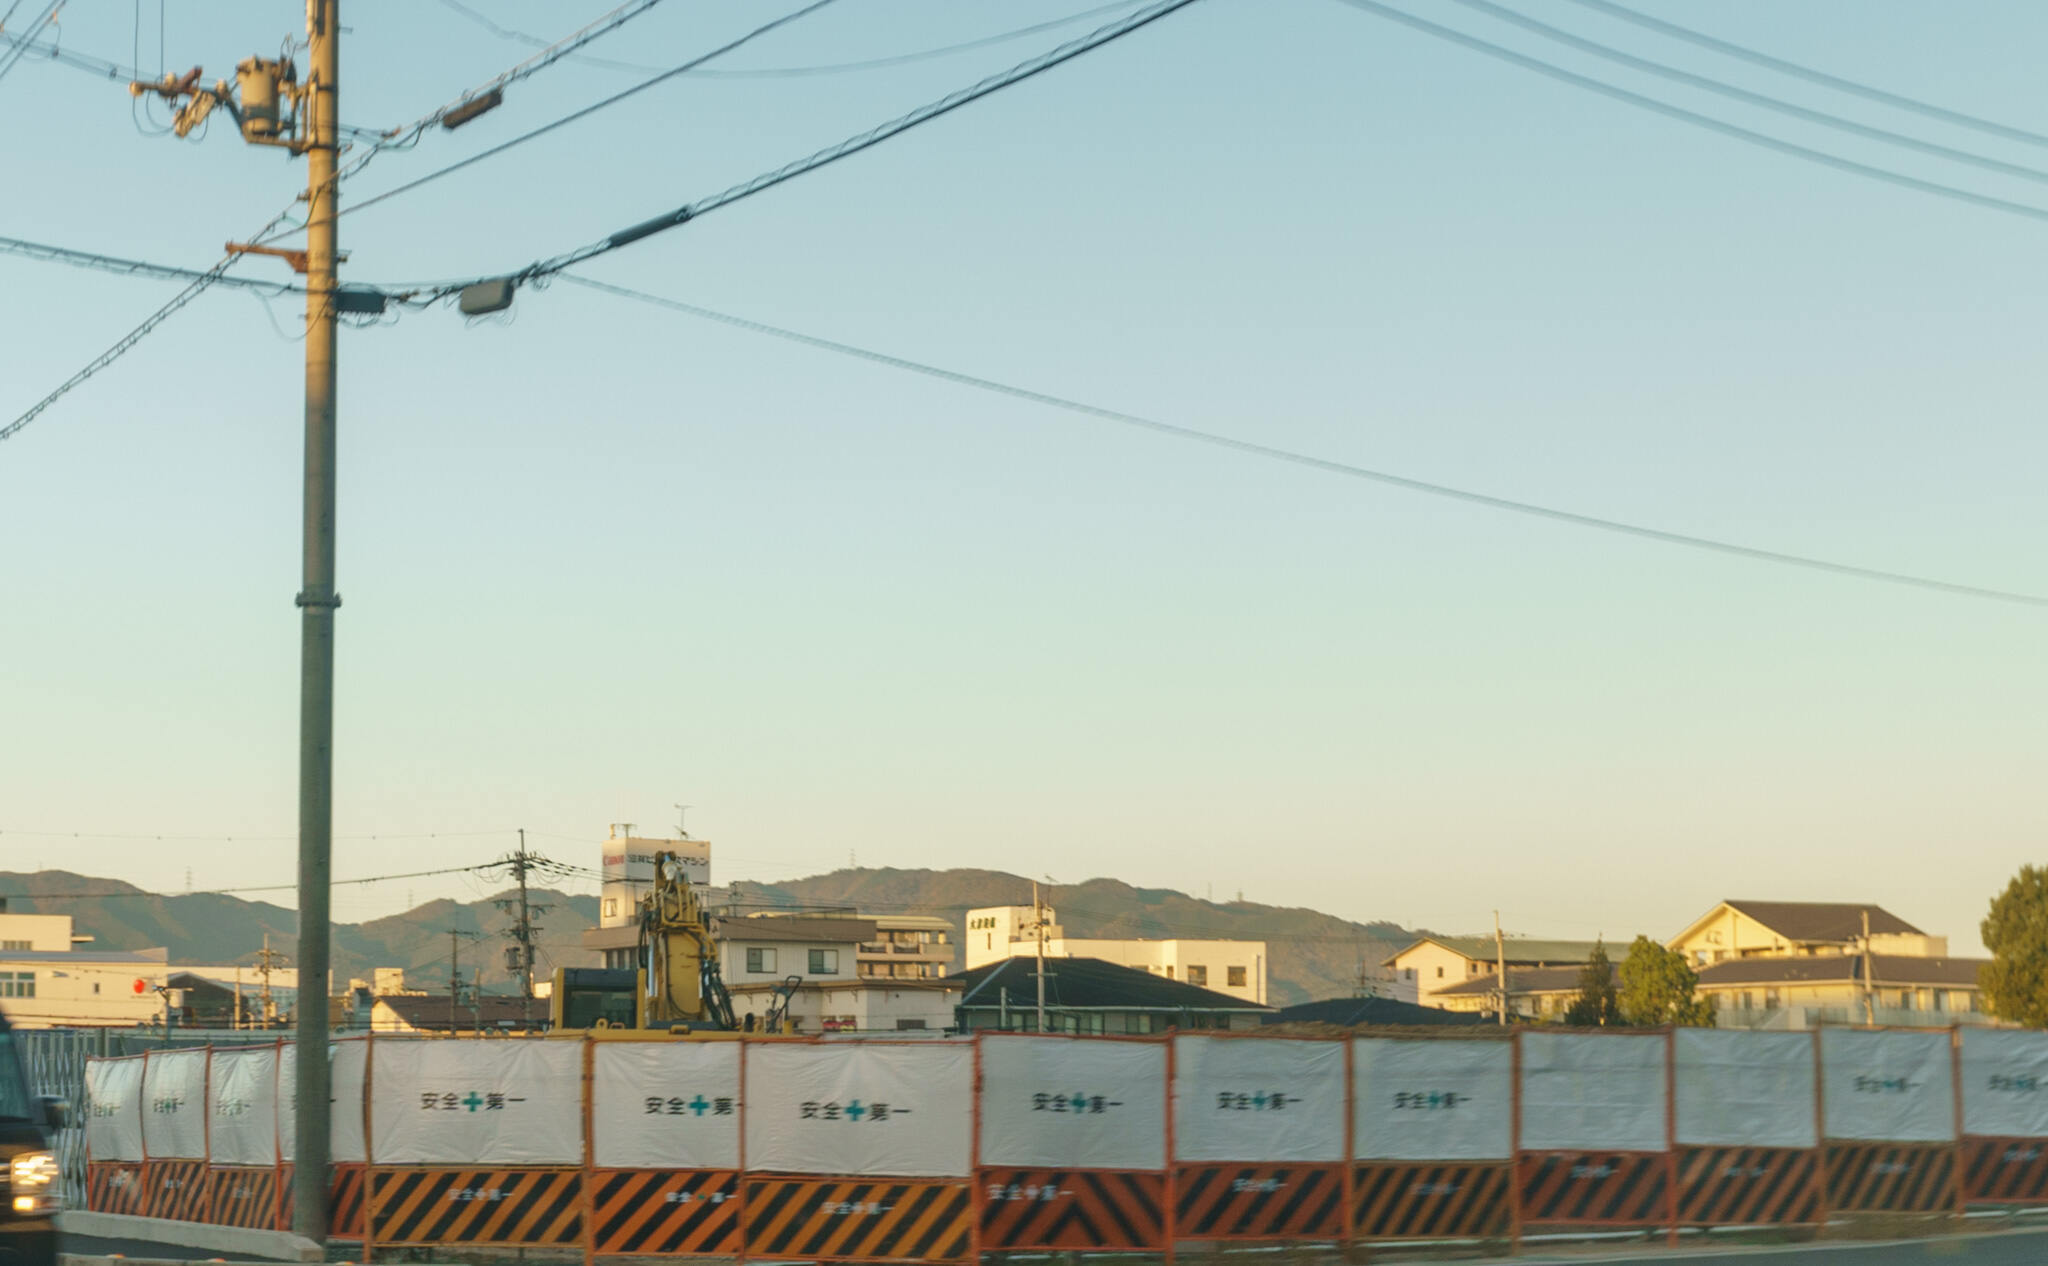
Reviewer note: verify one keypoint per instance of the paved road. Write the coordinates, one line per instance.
(2011, 1248)
(96, 1246)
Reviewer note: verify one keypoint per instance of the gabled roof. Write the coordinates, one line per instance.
(1087, 984)
(1519, 949)
(1527, 980)
(491, 1011)
(818, 931)
(1809, 922)
(1886, 969)
(1350, 1012)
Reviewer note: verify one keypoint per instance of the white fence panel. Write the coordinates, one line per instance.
(113, 1109)
(174, 1105)
(665, 1105)
(1593, 1092)
(346, 1061)
(1893, 1087)
(1069, 1103)
(1741, 1089)
(2005, 1083)
(1254, 1099)
(1432, 1099)
(242, 1092)
(859, 1108)
(505, 1102)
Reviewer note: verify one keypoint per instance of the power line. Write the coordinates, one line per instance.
(853, 144)
(1698, 120)
(1988, 126)
(791, 72)
(247, 839)
(13, 54)
(135, 267)
(1321, 463)
(223, 892)
(588, 110)
(1708, 84)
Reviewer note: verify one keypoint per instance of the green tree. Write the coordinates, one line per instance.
(2015, 982)
(1596, 1004)
(1659, 987)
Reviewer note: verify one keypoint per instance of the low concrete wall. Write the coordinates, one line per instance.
(281, 1246)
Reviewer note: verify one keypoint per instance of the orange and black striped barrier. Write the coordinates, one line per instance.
(2005, 1170)
(1891, 1177)
(648, 1213)
(1258, 1202)
(1748, 1186)
(175, 1189)
(1431, 1200)
(1595, 1188)
(115, 1187)
(842, 1219)
(344, 1201)
(477, 1206)
(239, 1196)
(1072, 1209)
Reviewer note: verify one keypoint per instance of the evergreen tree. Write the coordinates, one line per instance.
(2015, 982)
(1596, 1005)
(1659, 987)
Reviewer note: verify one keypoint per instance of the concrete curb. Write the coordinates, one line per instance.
(281, 1246)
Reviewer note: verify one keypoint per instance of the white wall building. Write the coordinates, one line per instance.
(627, 867)
(45, 982)
(1235, 968)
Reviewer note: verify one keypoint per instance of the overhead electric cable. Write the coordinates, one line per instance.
(588, 110)
(1322, 463)
(851, 145)
(136, 267)
(13, 53)
(1684, 115)
(793, 72)
(1989, 127)
(1708, 84)
(217, 892)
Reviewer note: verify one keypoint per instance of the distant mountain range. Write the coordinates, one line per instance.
(1312, 955)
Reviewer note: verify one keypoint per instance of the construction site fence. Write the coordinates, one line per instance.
(943, 1150)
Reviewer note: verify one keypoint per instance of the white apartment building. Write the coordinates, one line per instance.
(46, 982)
(1235, 968)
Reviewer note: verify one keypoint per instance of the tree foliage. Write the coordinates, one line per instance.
(2014, 983)
(1596, 1004)
(1659, 987)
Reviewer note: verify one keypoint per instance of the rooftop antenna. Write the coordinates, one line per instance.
(681, 809)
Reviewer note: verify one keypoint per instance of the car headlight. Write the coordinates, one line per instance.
(33, 1178)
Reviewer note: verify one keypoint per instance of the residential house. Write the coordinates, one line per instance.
(470, 1015)
(1805, 929)
(1801, 992)
(1088, 995)
(1367, 1012)
(1535, 994)
(1234, 968)
(1433, 965)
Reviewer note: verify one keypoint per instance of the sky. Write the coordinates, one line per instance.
(599, 558)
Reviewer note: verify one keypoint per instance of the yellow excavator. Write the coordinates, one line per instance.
(674, 985)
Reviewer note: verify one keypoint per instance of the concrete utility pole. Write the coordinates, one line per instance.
(454, 975)
(317, 601)
(1500, 952)
(1038, 921)
(524, 932)
(1869, 978)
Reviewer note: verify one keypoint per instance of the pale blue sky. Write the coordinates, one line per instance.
(603, 558)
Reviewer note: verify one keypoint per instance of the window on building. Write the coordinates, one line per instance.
(1439, 973)
(1748, 1000)
(611, 907)
(761, 960)
(824, 962)
(15, 945)
(1773, 999)
(1137, 1022)
(1198, 974)
(1234, 977)
(905, 1026)
(1167, 971)
(1940, 1001)
(17, 984)
(1905, 1000)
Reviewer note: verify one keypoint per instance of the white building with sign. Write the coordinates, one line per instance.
(1236, 968)
(628, 869)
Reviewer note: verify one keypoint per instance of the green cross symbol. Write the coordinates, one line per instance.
(1080, 1102)
(474, 1101)
(698, 1105)
(855, 1111)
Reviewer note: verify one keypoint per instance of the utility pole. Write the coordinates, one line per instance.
(264, 961)
(1869, 978)
(524, 932)
(1500, 953)
(454, 975)
(1038, 920)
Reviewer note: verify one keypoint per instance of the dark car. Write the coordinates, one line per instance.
(28, 1168)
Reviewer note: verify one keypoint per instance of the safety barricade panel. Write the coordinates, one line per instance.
(1258, 1099)
(1748, 1186)
(664, 1213)
(344, 1200)
(836, 1109)
(1595, 1188)
(114, 1187)
(476, 1206)
(175, 1189)
(2005, 1082)
(509, 1103)
(1048, 1209)
(2005, 1171)
(1888, 1086)
(174, 1105)
(241, 1093)
(1259, 1202)
(1891, 1177)
(847, 1219)
(1593, 1092)
(1432, 1200)
(241, 1196)
(347, 1060)
(1432, 1100)
(665, 1105)
(113, 1109)
(1732, 1088)
(1064, 1102)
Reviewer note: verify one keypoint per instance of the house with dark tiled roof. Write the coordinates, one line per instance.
(1432, 966)
(1087, 995)
(1799, 929)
